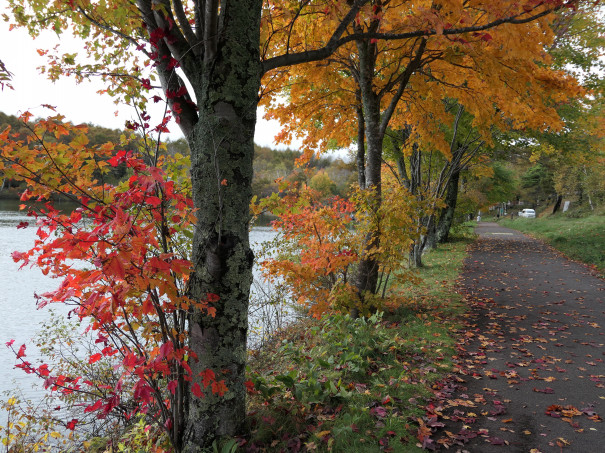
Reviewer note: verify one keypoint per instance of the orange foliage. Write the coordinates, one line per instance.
(501, 76)
(316, 248)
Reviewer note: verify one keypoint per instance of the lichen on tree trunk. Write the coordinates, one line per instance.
(222, 146)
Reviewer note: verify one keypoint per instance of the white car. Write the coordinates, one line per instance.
(528, 213)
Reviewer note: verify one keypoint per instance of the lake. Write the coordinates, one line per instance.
(21, 320)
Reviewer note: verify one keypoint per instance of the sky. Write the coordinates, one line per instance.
(78, 103)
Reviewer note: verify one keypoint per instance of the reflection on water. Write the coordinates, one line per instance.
(20, 320)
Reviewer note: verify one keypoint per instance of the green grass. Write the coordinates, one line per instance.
(343, 385)
(582, 239)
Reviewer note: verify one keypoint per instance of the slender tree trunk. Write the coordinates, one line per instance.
(367, 269)
(430, 241)
(415, 259)
(421, 244)
(446, 217)
(557, 204)
(361, 147)
(588, 191)
(222, 152)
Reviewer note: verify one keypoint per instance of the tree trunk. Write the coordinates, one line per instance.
(367, 270)
(222, 150)
(430, 241)
(420, 244)
(361, 147)
(557, 204)
(446, 218)
(415, 259)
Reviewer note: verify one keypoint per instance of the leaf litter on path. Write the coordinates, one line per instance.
(529, 373)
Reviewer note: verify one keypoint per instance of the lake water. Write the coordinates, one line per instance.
(20, 320)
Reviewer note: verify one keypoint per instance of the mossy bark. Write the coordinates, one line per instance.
(222, 149)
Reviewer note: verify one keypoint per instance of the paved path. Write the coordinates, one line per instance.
(532, 372)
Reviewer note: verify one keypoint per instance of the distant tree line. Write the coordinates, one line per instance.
(325, 174)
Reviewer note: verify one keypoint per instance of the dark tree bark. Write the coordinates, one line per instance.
(446, 217)
(360, 158)
(367, 270)
(557, 204)
(222, 150)
(375, 123)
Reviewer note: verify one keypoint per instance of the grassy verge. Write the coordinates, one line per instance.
(344, 385)
(582, 239)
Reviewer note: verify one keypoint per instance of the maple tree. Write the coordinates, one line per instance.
(222, 50)
(578, 148)
(316, 249)
(399, 83)
(123, 258)
(320, 241)
(430, 177)
(216, 48)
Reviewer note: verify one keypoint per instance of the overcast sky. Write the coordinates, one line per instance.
(78, 103)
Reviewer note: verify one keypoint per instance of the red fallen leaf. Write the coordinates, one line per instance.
(554, 410)
(433, 423)
(22, 225)
(465, 435)
(496, 441)
(546, 390)
(499, 410)
(249, 385)
(429, 444)
(378, 412)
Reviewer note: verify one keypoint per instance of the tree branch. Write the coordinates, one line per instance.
(210, 29)
(405, 78)
(318, 54)
(187, 30)
(337, 40)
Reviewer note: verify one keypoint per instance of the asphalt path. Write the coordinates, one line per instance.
(531, 370)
